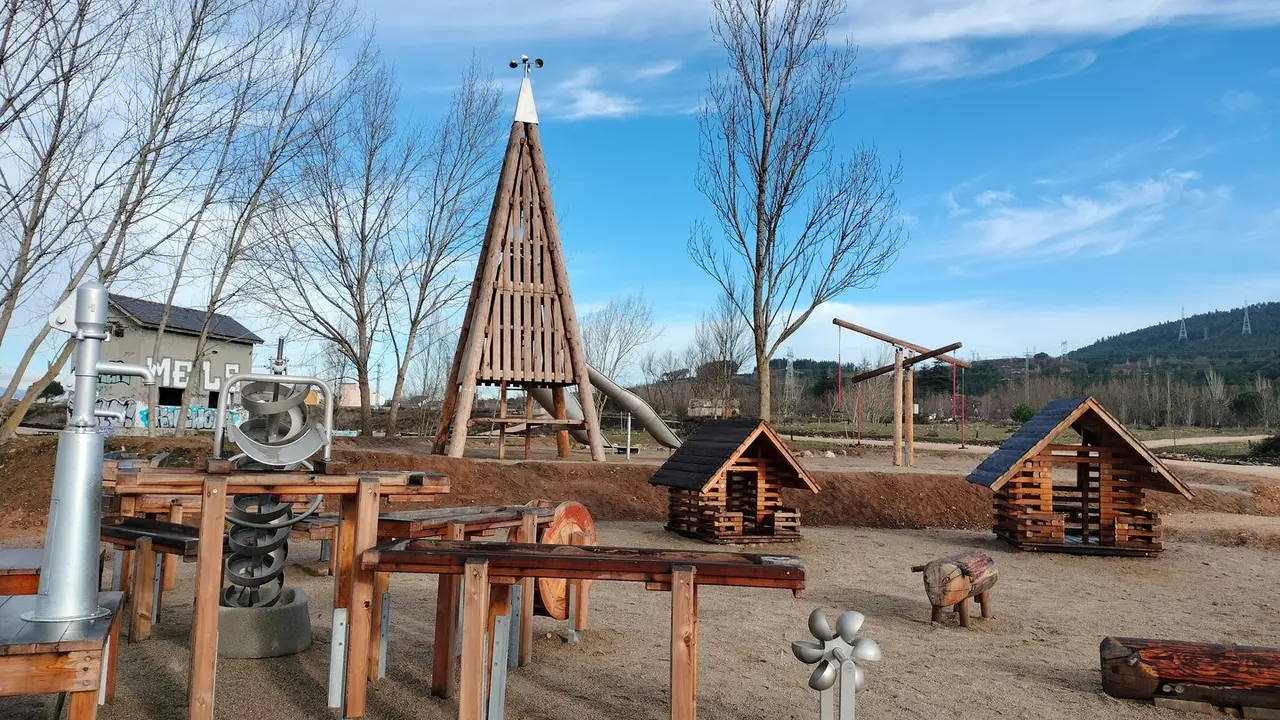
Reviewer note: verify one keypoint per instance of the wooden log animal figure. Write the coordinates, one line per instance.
(1193, 675)
(951, 581)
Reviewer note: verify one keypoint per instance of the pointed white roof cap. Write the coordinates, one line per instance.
(525, 110)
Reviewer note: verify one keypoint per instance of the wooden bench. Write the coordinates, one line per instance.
(142, 545)
(489, 570)
(79, 658)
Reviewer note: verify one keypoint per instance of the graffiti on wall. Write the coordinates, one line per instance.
(174, 373)
(138, 415)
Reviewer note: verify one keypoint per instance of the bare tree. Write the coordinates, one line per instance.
(720, 347)
(612, 335)
(453, 194)
(666, 382)
(171, 96)
(799, 224)
(331, 232)
(290, 82)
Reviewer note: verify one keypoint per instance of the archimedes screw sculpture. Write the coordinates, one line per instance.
(838, 655)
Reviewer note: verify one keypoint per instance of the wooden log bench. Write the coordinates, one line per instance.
(1193, 676)
(488, 571)
(953, 580)
(79, 658)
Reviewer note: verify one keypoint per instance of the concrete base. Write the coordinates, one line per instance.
(283, 629)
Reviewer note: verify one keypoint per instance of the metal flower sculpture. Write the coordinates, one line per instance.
(838, 655)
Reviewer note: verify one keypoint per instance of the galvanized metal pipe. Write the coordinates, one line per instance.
(69, 583)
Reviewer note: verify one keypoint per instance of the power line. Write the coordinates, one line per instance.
(1247, 329)
(1182, 327)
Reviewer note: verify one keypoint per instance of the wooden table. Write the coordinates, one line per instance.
(72, 657)
(20, 570)
(489, 570)
(359, 494)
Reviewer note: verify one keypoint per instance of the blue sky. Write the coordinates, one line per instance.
(1073, 168)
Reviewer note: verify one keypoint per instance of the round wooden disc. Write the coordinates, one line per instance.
(570, 518)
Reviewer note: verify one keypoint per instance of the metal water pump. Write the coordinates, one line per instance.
(69, 585)
(280, 434)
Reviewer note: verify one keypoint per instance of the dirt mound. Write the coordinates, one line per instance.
(619, 491)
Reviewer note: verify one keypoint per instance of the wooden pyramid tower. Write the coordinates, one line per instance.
(520, 329)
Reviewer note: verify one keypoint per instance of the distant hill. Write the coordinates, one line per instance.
(1213, 337)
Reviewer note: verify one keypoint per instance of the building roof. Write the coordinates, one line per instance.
(1078, 413)
(706, 455)
(147, 314)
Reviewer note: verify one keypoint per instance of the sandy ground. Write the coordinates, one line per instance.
(1036, 659)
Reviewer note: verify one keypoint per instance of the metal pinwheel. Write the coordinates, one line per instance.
(839, 655)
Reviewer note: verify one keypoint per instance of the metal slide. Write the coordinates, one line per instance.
(629, 401)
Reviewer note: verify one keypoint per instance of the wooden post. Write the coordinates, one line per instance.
(176, 512)
(528, 427)
(909, 379)
(572, 333)
(128, 508)
(562, 435)
(444, 665)
(897, 407)
(84, 705)
(204, 624)
(360, 606)
(344, 541)
(502, 415)
(381, 584)
(462, 385)
(475, 590)
(528, 534)
(684, 644)
(579, 610)
(143, 593)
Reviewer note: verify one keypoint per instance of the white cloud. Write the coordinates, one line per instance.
(580, 97)
(657, 70)
(1103, 222)
(1235, 102)
(993, 197)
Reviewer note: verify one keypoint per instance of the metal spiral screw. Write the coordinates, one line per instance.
(255, 570)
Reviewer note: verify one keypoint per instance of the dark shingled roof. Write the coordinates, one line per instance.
(182, 320)
(1082, 413)
(1028, 436)
(717, 443)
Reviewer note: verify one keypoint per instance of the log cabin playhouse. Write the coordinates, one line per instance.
(725, 484)
(1095, 503)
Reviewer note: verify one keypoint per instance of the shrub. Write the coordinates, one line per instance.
(1269, 448)
(1022, 413)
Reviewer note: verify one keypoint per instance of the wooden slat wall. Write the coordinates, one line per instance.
(744, 504)
(1105, 508)
(524, 336)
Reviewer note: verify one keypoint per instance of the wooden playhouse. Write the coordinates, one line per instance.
(725, 484)
(1095, 502)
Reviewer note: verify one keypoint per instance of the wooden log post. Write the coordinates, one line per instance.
(951, 582)
(502, 415)
(528, 427)
(684, 644)
(475, 592)
(909, 405)
(897, 407)
(561, 413)
(452, 434)
(572, 331)
(344, 543)
(444, 661)
(360, 605)
(1229, 676)
(204, 624)
(170, 580)
(143, 592)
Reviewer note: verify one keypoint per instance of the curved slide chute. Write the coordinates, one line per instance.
(627, 400)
